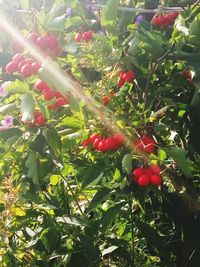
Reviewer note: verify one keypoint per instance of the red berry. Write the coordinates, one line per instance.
(110, 144)
(96, 142)
(41, 120)
(62, 101)
(78, 37)
(26, 70)
(120, 83)
(119, 139)
(56, 52)
(52, 41)
(18, 58)
(40, 86)
(32, 37)
(155, 169)
(129, 76)
(87, 36)
(93, 137)
(106, 100)
(86, 142)
(48, 94)
(102, 147)
(144, 180)
(11, 67)
(35, 67)
(20, 65)
(138, 172)
(42, 42)
(149, 172)
(148, 143)
(156, 180)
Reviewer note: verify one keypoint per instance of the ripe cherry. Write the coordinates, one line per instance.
(138, 172)
(110, 144)
(32, 37)
(48, 94)
(61, 101)
(119, 139)
(11, 67)
(78, 37)
(106, 100)
(87, 36)
(40, 86)
(102, 147)
(52, 41)
(144, 180)
(41, 120)
(96, 142)
(35, 67)
(156, 180)
(93, 137)
(26, 70)
(155, 169)
(42, 42)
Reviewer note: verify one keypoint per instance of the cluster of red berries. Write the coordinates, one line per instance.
(126, 76)
(50, 94)
(145, 144)
(39, 119)
(48, 43)
(84, 37)
(146, 176)
(105, 144)
(164, 21)
(25, 66)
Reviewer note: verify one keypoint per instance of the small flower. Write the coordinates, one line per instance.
(3, 92)
(68, 12)
(139, 19)
(7, 121)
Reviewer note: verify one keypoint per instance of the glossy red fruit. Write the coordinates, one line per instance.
(129, 76)
(102, 147)
(35, 67)
(62, 101)
(42, 42)
(56, 52)
(110, 144)
(149, 172)
(187, 75)
(52, 41)
(87, 36)
(156, 180)
(40, 86)
(26, 70)
(20, 65)
(106, 100)
(119, 139)
(96, 142)
(138, 172)
(78, 37)
(144, 180)
(155, 168)
(32, 37)
(120, 83)
(86, 142)
(93, 137)
(11, 67)
(18, 58)
(48, 94)
(148, 143)
(40, 120)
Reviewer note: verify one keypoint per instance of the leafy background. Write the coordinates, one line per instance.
(65, 205)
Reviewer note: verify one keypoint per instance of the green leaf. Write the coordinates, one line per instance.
(71, 122)
(100, 196)
(56, 24)
(127, 163)
(32, 164)
(17, 87)
(55, 179)
(5, 109)
(10, 133)
(109, 15)
(180, 157)
(53, 139)
(27, 107)
(73, 22)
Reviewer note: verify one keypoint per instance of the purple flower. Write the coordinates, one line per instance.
(68, 12)
(7, 121)
(139, 19)
(2, 91)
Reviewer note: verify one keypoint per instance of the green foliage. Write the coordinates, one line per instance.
(64, 203)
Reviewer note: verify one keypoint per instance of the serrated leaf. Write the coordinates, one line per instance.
(27, 107)
(32, 164)
(100, 196)
(127, 163)
(180, 157)
(55, 179)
